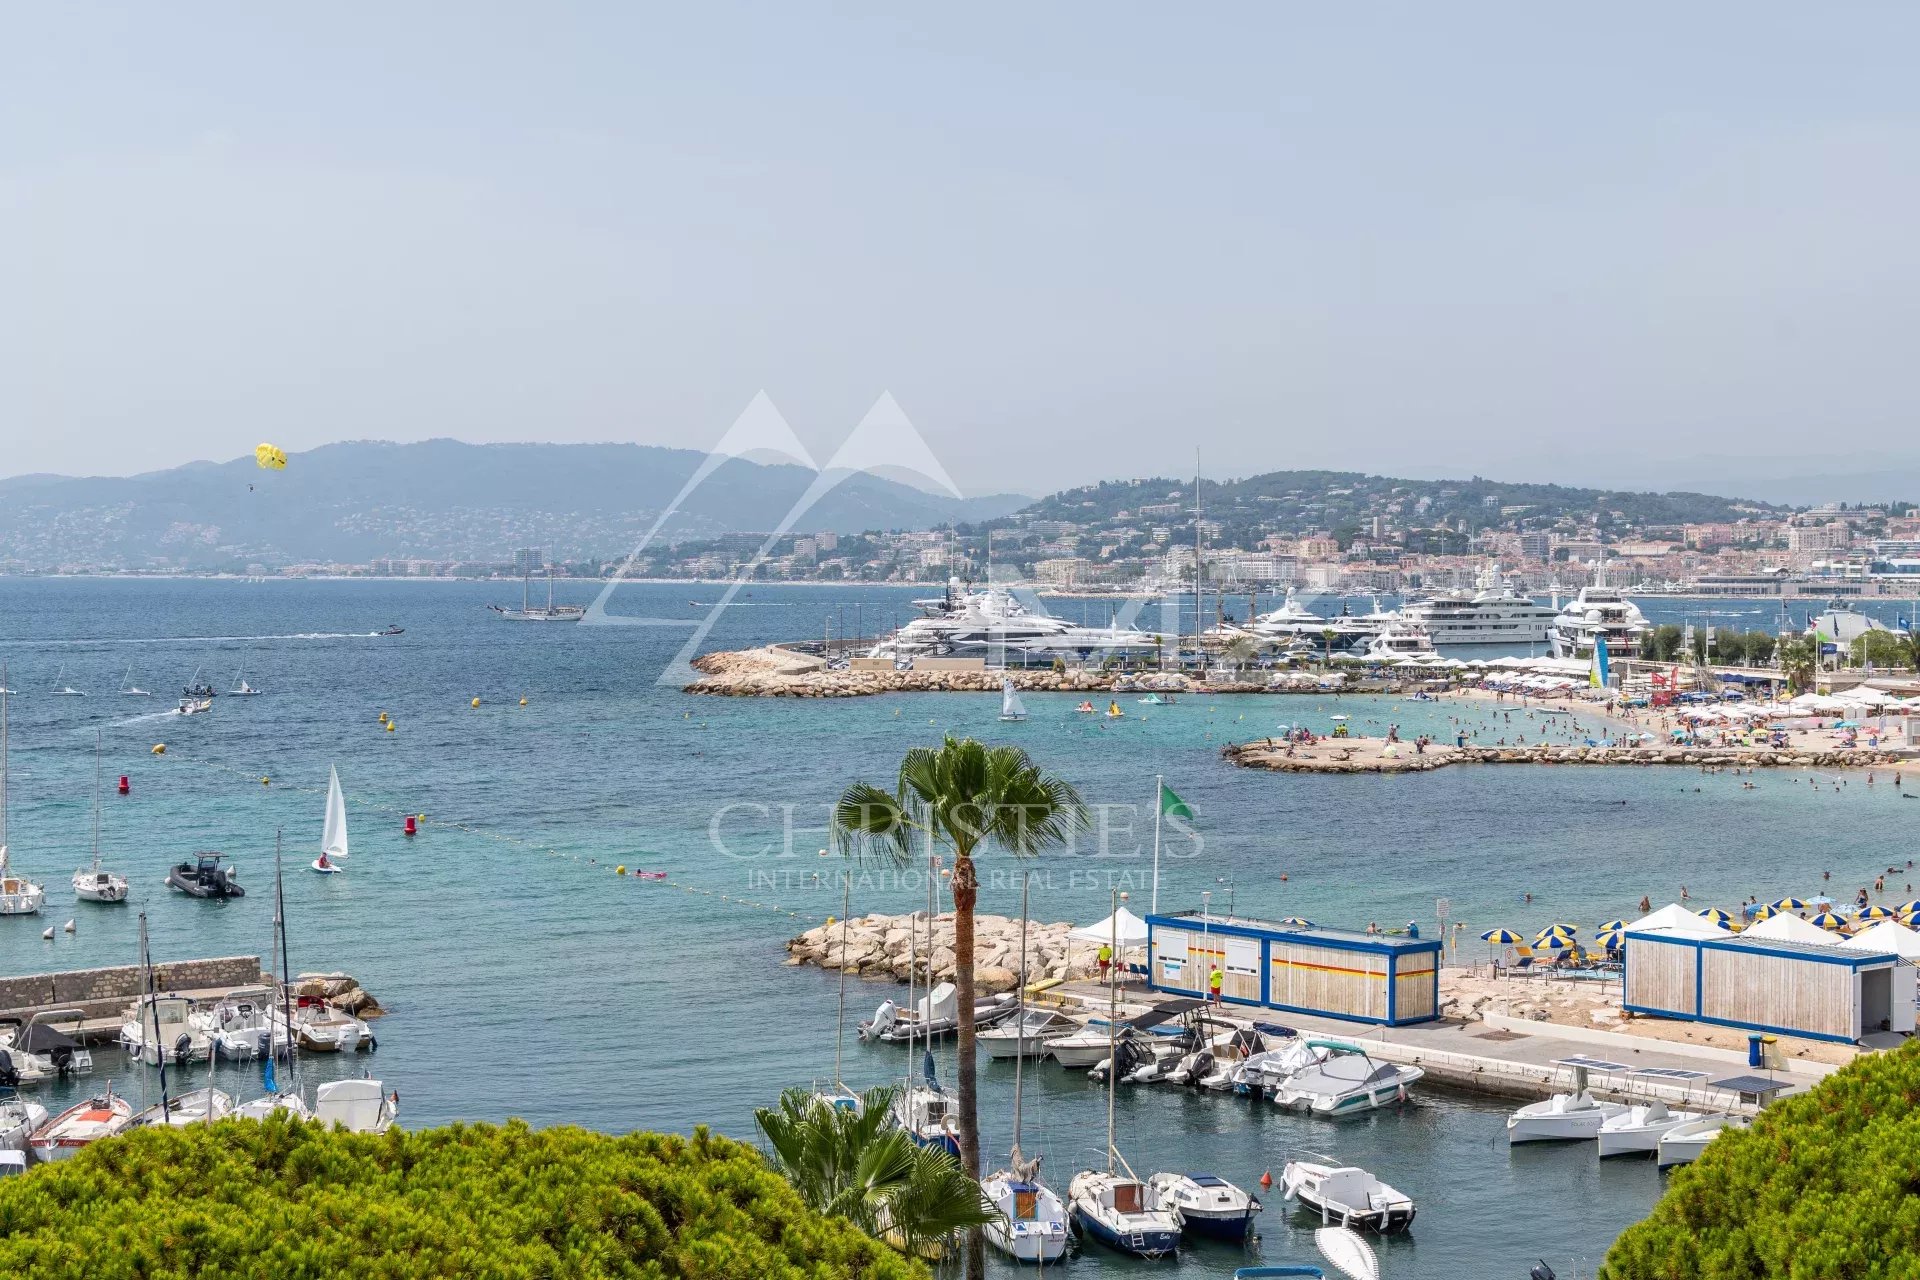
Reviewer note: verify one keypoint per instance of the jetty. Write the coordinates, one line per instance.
(1377, 755)
(101, 996)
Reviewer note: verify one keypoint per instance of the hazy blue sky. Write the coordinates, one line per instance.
(1527, 240)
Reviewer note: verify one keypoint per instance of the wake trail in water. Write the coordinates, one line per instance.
(298, 635)
(151, 715)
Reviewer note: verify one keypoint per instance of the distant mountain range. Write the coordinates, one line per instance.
(440, 499)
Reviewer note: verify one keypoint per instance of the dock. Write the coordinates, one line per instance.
(101, 996)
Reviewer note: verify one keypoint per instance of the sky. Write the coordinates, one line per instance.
(1634, 245)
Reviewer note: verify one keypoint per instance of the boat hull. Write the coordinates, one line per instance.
(1389, 1221)
(1139, 1244)
(1571, 1126)
(1235, 1226)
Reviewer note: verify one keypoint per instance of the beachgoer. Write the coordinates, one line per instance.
(1214, 980)
(1646, 903)
(1105, 958)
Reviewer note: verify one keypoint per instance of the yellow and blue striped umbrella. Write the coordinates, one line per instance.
(1611, 939)
(1790, 904)
(1505, 937)
(1766, 913)
(1716, 915)
(1828, 920)
(1877, 913)
(1908, 908)
(1612, 924)
(1554, 942)
(1297, 922)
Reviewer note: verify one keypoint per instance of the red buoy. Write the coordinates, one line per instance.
(409, 824)
(124, 787)
(1266, 1181)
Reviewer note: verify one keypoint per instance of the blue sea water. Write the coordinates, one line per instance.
(525, 978)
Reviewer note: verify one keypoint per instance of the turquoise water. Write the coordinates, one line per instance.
(524, 978)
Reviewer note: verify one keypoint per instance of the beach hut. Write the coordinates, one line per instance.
(1387, 979)
(1697, 973)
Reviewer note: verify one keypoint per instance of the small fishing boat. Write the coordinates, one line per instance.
(935, 1014)
(65, 690)
(1206, 1205)
(161, 1028)
(1027, 1035)
(1347, 1083)
(1637, 1130)
(19, 896)
(319, 1027)
(81, 1125)
(1565, 1117)
(205, 877)
(240, 1025)
(1683, 1143)
(333, 836)
(18, 1120)
(91, 884)
(1011, 708)
(1347, 1195)
(128, 690)
(358, 1106)
(200, 1106)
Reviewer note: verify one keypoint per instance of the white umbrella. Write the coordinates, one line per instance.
(1132, 930)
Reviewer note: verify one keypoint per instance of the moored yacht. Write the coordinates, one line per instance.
(1206, 1205)
(1492, 613)
(1347, 1083)
(1683, 1143)
(162, 1029)
(1032, 1226)
(91, 884)
(358, 1106)
(1027, 1035)
(18, 1119)
(1399, 640)
(1122, 1213)
(1599, 610)
(194, 1106)
(19, 896)
(1348, 1196)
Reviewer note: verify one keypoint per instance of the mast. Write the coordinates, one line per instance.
(153, 1011)
(1019, 1025)
(96, 800)
(5, 693)
(913, 962)
(526, 572)
(1113, 1018)
(286, 977)
(840, 1024)
(1198, 620)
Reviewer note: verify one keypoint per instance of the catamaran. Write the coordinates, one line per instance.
(1011, 708)
(91, 884)
(333, 838)
(19, 896)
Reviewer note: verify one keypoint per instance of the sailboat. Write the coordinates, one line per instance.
(132, 690)
(333, 838)
(279, 1020)
(1032, 1226)
(66, 690)
(839, 1096)
(528, 611)
(1011, 708)
(1111, 1205)
(241, 689)
(19, 896)
(91, 884)
(923, 1108)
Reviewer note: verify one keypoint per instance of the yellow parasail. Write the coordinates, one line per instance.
(271, 457)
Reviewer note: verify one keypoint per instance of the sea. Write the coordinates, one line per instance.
(525, 977)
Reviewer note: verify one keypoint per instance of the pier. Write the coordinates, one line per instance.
(101, 996)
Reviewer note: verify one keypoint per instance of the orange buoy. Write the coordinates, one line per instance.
(1266, 1181)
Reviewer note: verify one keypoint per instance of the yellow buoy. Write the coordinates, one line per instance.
(159, 748)
(523, 702)
(265, 782)
(389, 726)
(476, 702)
(620, 870)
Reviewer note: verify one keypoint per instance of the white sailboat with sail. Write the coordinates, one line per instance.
(19, 896)
(241, 689)
(91, 884)
(333, 838)
(1011, 708)
(129, 690)
(66, 690)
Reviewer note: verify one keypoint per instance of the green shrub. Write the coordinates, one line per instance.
(1825, 1185)
(288, 1201)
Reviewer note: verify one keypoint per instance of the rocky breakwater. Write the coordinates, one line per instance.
(1372, 755)
(880, 946)
(340, 990)
(773, 672)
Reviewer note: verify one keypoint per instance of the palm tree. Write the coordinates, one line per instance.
(1329, 635)
(849, 1162)
(1241, 650)
(1798, 654)
(963, 796)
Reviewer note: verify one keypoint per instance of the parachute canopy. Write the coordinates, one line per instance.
(271, 457)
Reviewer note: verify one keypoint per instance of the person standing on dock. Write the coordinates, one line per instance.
(1214, 980)
(1105, 958)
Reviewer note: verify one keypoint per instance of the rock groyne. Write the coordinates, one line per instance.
(1370, 755)
(880, 946)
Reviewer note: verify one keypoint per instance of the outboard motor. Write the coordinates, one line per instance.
(9, 1074)
(1541, 1272)
(62, 1059)
(883, 1020)
(182, 1048)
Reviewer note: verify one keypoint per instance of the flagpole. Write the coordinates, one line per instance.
(1154, 909)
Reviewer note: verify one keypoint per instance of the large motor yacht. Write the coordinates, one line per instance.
(1598, 610)
(1492, 613)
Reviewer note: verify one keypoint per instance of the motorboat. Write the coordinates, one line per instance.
(1083, 1049)
(935, 1014)
(333, 835)
(1598, 610)
(1030, 1034)
(1234, 1049)
(91, 884)
(12, 1163)
(319, 1027)
(1264, 1073)
(196, 1106)
(358, 1106)
(393, 629)
(271, 1104)
(1011, 708)
(1399, 641)
(242, 1027)
(1347, 1196)
(193, 705)
(1206, 1205)
(1491, 613)
(1032, 1221)
(81, 1125)
(1565, 1117)
(1638, 1129)
(1121, 1212)
(161, 1028)
(1683, 1143)
(205, 877)
(19, 896)
(1347, 1083)
(40, 1051)
(19, 1118)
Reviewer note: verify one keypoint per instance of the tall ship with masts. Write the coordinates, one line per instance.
(528, 610)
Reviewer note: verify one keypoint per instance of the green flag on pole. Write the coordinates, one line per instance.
(1172, 806)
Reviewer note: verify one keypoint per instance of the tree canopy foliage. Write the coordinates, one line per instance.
(290, 1200)
(1823, 1185)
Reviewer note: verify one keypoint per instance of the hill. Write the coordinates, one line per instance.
(439, 499)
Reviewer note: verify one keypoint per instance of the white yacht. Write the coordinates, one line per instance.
(19, 896)
(1398, 641)
(64, 690)
(1293, 621)
(1027, 1035)
(978, 624)
(1565, 1117)
(926, 1112)
(1638, 1129)
(195, 1106)
(530, 612)
(318, 1027)
(242, 1027)
(91, 884)
(333, 833)
(1598, 610)
(1491, 613)
(1683, 1144)
(1347, 1195)
(1011, 708)
(1032, 1226)
(1347, 1083)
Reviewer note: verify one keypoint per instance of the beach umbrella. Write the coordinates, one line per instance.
(1908, 908)
(1830, 921)
(1877, 913)
(1297, 922)
(1766, 913)
(1611, 939)
(1716, 915)
(1555, 942)
(1505, 937)
(1791, 904)
(1613, 925)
